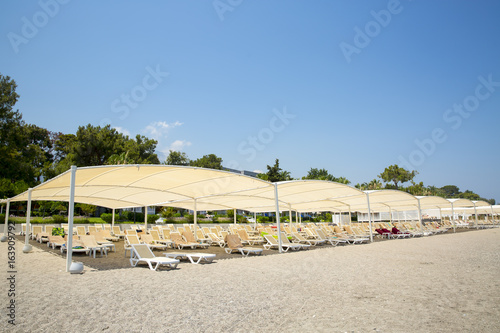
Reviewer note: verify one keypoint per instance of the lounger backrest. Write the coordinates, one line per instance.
(89, 241)
(107, 227)
(143, 251)
(130, 232)
(189, 236)
(155, 235)
(56, 239)
(243, 234)
(200, 234)
(205, 230)
(132, 239)
(106, 233)
(80, 231)
(180, 230)
(271, 240)
(321, 234)
(177, 238)
(37, 229)
(92, 229)
(48, 229)
(214, 237)
(148, 239)
(233, 242)
(98, 227)
(116, 230)
(166, 233)
(284, 239)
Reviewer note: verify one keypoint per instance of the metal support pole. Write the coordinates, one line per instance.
(420, 217)
(369, 216)
(475, 214)
(145, 218)
(453, 218)
(71, 212)
(27, 247)
(278, 217)
(113, 219)
(195, 221)
(6, 226)
(234, 216)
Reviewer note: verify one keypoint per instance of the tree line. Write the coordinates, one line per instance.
(30, 154)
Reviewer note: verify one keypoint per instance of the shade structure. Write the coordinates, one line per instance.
(296, 195)
(127, 186)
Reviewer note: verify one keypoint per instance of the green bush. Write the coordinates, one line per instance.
(153, 218)
(262, 219)
(59, 219)
(177, 215)
(107, 217)
(58, 232)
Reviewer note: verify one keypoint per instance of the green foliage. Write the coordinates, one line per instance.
(58, 232)
(451, 191)
(59, 219)
(86, 209)
(322, 174)
(395, 174)
(167, 212)
(108, 217)
(177, 215)
(275, 173)
(262, 219)
(210, 161)
(152, 218)
(177, 158)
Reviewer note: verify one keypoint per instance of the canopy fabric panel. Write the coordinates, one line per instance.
(142, 185)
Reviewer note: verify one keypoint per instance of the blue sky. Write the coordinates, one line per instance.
(350, 86)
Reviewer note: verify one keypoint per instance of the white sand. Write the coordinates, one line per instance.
(446, 283)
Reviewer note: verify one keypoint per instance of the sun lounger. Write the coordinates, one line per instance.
(107, 235)
(99, 238)
(234, 244)
(293, 246)
(189, 237)
(78, 246)
(180, 242)
(323, 236)
(142, 253)
(273, 243)
(247, 239)
(55, 241)
(302, 240)
(90, 242)
(149, 240)
(216, 239)
(195, 258)
(156, 237)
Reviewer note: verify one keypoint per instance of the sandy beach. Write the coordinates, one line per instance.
(442, 283)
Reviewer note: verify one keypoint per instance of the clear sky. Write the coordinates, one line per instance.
(350, 86)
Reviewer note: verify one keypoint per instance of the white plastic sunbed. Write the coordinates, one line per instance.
(206, 257)
(142, 253)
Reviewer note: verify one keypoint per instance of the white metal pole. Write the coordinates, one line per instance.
(277, 216)
(420, 217)
(453, 218)
(6, 226)
(71, 210)
(113, 219)
(369, 217)
(255, 220)
(475, 214)
(195, 221)
(145, 218)
(27, 247)
(234, 216)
